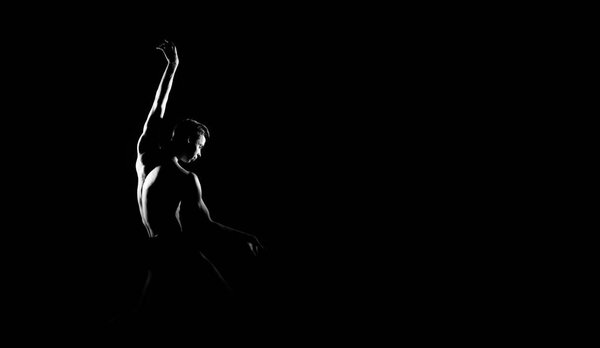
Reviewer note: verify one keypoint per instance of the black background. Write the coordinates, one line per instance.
(328, 137)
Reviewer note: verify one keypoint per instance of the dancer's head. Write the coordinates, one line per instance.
(188, 139)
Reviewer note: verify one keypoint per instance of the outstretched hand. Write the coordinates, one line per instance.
(254, 244)
(169, 50)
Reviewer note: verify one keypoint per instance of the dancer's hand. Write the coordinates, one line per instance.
(254, 244)
(170, 51)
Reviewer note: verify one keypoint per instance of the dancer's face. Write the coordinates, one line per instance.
(195, 150)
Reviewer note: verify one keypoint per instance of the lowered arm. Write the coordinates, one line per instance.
(204, 227)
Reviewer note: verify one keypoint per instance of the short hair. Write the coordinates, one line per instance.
(188, 129)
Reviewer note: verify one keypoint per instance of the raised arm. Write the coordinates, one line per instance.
(151, 133)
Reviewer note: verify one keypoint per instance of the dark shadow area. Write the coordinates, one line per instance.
(271, 99)
(331, 149)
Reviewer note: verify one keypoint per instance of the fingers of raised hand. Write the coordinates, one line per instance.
(165, 45)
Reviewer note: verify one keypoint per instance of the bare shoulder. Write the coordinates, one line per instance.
(187, 177)
(191, 186)
(193, 179)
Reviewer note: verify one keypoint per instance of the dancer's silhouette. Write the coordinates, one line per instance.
(182, 282)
